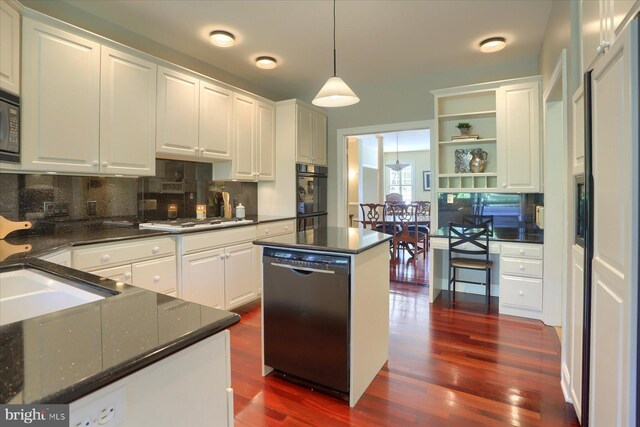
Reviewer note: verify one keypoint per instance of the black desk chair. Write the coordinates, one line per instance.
(479, 220)
(469, 239)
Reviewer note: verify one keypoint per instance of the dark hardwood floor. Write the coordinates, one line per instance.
(446, 368)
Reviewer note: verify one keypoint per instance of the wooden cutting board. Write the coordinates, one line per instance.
(7, 226)
(7, 249)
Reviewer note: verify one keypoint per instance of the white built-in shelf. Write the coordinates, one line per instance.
(466, 141)
(469, 114)
(464, 175)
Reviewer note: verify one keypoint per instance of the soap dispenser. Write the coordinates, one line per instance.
(240, 211)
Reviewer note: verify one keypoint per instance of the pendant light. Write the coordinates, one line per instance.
(397, 166)
(335, 92)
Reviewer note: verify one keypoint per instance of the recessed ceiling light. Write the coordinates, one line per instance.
(222, 38)
(266, 62)
(493, 44)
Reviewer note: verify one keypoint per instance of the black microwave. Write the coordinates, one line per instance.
(581, 210)
(9, 127)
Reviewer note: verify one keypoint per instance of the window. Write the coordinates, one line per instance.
(402, 182)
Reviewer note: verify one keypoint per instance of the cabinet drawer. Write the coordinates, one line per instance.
(520, 250)
(521, 267)
(119, 274)
(521, 292)
(156, 275)
(106, 255)
(276, 228)
(214, 239)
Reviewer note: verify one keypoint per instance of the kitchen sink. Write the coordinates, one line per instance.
(27, 293)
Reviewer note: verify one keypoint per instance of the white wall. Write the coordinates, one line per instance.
(421, 161)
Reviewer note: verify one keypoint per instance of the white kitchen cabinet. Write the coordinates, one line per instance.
(215, 122)
(521, 284)
(9, 49)
(60, 100)
(600, 26)
(311, 135)
(577, 124)
(244, 128)
(178, 110)
(518, 128)
(127, 114)
(62, 257)
(121, 273)
(203, 278)
(239, 277)
(158, 275)
(575, 296)
(265, 141)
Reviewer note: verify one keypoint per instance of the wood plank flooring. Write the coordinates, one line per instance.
(446, 368)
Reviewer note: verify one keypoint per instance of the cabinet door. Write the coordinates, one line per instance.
(239, 275)
(9, 49)
(304, 135)
(319, 139)
(216, 106)
(590, 30)
(244, 125)
(576, 298)
(158, 275)
(203, 278)
(265, 142)
(119, 274)
(61, 100)
(127, 114)
(518, 121)
(619, 9)
(177, 113)
(578, 132)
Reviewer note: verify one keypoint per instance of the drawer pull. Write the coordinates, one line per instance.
(266, 231)
(521, 267)
(521, 293)
(156, 279)
(521, 251)
(155, 250)
(127, 275)
(105, 258)
(286, 227)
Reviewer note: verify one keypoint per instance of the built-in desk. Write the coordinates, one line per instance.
(516, 277)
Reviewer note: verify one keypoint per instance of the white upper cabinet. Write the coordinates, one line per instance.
(244, 126)
(9, 49)
(216, 121)
(265, 142)
(127, 114)
(60, 100)
(311, 136)
(600, 25)
(518, 120)
(178, 109)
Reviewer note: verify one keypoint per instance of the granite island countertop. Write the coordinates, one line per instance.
(63, 356)
(501, 235)
(328, 239)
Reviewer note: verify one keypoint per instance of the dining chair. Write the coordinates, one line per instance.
(393, 198)
(469, 239)
(374, 217)
(423, 209)
(408, 237)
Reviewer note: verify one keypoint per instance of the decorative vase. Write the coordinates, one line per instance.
(478, 160)
(464, 131)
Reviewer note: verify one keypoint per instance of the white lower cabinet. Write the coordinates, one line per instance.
(121, 273)
(521, 285)
(203, 278)
(239, 275)
(157, 275)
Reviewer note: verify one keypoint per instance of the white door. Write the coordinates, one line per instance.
(60, 100)
(244, 126)
(216, 107)
(127, 114)
(9, 49)
(239, 275)
(203, 278)
(178, 106)
(319, 139)
(518, 118)
(265, 141)
(304, 134)
(613, 265)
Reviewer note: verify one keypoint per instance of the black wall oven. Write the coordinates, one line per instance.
(9, 127)
(311, 196)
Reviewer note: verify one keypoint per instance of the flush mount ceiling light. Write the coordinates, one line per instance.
(335, 92)
(397, 166)
(493, 44)
(222, 38)
(266, 62)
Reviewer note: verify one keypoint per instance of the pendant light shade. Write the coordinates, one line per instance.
(397, 166)
(335, 92)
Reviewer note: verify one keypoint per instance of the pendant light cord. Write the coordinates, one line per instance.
(334, 38)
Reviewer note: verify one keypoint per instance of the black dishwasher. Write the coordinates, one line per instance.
(306, 306)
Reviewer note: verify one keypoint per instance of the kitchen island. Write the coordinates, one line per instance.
(325, 306)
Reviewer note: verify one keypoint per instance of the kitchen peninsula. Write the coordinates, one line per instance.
(326, 307)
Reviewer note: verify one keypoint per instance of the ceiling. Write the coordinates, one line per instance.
(409, 140)
(377, 40)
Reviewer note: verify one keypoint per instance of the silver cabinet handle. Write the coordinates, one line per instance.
(127, 275)
(105, 258)
(156, 278)
(95, 163)
(155, 250)
(313, 270)
(105, 164)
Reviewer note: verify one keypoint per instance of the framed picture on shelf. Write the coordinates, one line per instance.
(426, 180)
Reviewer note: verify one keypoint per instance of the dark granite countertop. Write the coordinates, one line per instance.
(328, 239)
(60, 357)
(502, 235)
